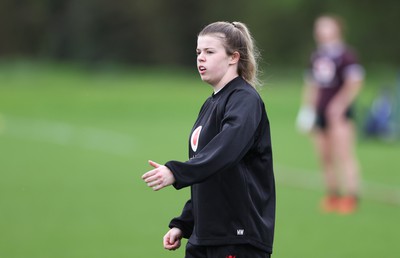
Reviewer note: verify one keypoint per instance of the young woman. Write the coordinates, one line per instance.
(231, 212)
(332, 83)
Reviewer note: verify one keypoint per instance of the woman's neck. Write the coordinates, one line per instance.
(229, 76)
(332, 44)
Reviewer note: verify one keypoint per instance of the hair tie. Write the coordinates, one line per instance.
(234, 25)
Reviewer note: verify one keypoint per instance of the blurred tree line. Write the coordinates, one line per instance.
(163, 32)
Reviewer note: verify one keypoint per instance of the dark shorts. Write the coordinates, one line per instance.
(224, 251)
(321, 120)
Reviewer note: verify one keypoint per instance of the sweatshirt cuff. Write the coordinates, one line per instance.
(186, 233)
(177, 184)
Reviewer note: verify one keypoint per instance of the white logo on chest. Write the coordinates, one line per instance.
(240, 232)
(194, 139)
(324, 70)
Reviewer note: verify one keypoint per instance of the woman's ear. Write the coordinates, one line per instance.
(235, 57)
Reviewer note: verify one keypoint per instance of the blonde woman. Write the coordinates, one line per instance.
(231, 212)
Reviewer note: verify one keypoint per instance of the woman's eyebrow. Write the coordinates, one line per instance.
(206, 48)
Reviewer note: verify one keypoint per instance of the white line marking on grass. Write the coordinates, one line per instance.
(123, 145)
(312, 180)
(66, 134)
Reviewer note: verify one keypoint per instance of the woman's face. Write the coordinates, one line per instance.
(213, 63)
(327, 31)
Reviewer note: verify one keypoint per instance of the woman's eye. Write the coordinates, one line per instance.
(206, 52)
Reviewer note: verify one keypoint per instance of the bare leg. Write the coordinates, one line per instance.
(342, 137)
(341, 134)
(330, 201)
(326, 158)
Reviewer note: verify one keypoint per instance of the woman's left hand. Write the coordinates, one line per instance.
(159, 177)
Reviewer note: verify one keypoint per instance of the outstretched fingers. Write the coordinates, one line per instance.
(152, 178)
(159, 177)
(149, 174)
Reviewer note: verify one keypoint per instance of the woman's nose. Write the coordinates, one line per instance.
(200, 57)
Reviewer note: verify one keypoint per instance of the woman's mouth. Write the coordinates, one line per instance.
(202, 69)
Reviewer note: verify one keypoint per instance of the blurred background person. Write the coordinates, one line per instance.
(332, 83)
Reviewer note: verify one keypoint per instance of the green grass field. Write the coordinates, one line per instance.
(74, 143)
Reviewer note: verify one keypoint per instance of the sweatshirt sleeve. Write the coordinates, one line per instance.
(185, 221)
(241, 118)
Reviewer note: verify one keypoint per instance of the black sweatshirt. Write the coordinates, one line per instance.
(230, 172)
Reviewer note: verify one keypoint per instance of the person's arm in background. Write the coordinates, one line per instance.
(354, 75)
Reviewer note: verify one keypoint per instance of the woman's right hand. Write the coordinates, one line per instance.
(159, 177)
(172, 240)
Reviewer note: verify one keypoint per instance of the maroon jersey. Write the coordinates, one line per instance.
(329, 68)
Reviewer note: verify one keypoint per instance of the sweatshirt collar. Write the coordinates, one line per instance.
(220, 91)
